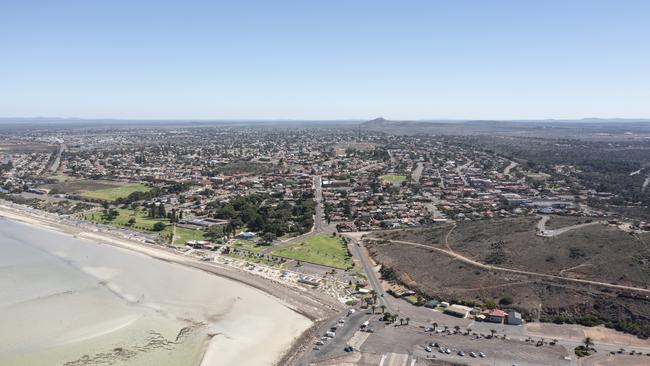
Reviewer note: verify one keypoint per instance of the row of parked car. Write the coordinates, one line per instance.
(446, 350)
(331, 333)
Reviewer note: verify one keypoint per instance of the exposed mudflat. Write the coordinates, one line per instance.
(66, 301)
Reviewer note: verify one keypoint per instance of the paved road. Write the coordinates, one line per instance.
(541, 227)
(459, 171)
(319, 216)
(502, 269)
(506, 171)
(417, 173)
(335, 346)
(57, 161)
(442, 180)
(359, 252)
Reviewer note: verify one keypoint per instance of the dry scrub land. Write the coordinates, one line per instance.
(600, 253)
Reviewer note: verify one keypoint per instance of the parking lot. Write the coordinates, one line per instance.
(414, 340)
(335, 346)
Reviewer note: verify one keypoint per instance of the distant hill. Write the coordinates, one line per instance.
(532, 128)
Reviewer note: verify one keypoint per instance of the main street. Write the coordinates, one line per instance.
(359, 252)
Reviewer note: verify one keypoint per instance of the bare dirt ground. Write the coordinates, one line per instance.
(615, 360)
(23, 147)
(81, 185)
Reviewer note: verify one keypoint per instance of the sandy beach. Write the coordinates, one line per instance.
(72, 301)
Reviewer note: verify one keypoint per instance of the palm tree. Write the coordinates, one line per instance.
(407, 320)
(446, 328)
(456, 328)
(383, 308)
(588, 342)
(374, 296)
(435, 325)
(373, 308)
(401, 321)
(469, 331)
(492, 331)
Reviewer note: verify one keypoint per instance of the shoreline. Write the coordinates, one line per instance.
(312, 306)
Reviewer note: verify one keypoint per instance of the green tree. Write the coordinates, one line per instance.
(490, 303)
(215, 232)
(268, 238)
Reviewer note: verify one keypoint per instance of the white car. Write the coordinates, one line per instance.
(427, 348)
(481, 354)
(472, 354)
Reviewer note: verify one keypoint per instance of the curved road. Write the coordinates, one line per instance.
(541, 227)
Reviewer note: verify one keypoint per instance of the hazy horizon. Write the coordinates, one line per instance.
(351, 120)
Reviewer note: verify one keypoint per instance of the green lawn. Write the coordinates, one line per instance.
(248, 245)
(111, 194)
(320, 249)
(393, 178)
(142, 221)
(183, 235)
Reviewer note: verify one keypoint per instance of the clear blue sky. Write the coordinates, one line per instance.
(325, 59)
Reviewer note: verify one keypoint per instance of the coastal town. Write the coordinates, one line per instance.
(367, 225)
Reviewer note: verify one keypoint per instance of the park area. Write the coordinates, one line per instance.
(142, 221)
(111, 194)
(183, 235)
(139, 219)
(96, 189)
(393, 178)
(320, 249)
